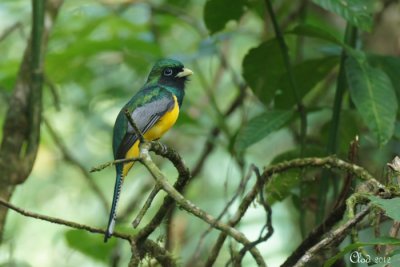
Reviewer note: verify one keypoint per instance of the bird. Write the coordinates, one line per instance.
(154, 109)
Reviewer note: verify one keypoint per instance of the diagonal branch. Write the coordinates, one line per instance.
(190, 207)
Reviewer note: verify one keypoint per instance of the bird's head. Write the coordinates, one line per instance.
(169, 72)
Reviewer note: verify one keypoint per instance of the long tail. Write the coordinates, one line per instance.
(113, 213)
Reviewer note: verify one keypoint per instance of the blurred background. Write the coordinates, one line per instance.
(99, 54)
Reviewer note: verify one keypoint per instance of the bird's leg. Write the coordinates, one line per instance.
(146, 205)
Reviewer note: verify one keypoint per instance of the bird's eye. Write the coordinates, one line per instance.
(168, 72)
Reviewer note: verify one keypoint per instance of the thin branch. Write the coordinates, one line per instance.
(148, 246)
(285, 53)
(267, 226)
(146, 206)
(60, 221)
(240, 190)
(313, 237)
(327, 162)
(9, 30)
(334, 236)
(111, 163)
(134, 126)
(190, 207)
(350, 39)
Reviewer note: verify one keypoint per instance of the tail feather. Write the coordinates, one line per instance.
(113, 213)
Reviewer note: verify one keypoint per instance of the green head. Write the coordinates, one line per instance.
(170, 73)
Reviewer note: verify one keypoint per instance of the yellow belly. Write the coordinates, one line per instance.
(154, 133)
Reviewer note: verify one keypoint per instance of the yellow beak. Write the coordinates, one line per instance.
(185, 72)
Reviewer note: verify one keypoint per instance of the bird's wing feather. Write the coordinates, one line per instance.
(144, 116)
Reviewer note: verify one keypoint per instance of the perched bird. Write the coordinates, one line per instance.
(154, 109)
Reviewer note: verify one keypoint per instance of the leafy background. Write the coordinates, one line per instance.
(99, 55)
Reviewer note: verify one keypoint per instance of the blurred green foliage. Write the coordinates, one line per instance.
(98, 56)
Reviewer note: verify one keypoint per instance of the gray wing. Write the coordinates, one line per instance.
(144, 117)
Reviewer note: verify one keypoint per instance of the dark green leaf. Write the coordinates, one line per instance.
(90, 245)
(261, 126)
(390, 206)
(281, 185)
(356, 12)
(391, 66)
(307, 75)
(374, 97)
(351, 247)
(350, 126)
(263, 67)
(218, 12)
(314, 32)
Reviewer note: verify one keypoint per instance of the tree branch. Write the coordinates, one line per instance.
(148, 246)
(336, 235)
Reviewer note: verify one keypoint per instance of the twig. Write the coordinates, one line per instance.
(334, 236)
(183, 179)
(314, 236)
(244, 205)
(190, 207)
(327, 162)
(9, 30)
(267, 226)
(148, 246)
(111, 163)
(241, 188)
(146, 206)
(135, 201)
(285, 54)
(60, 221)
(53, 91)
(350, 39)
(134, 126)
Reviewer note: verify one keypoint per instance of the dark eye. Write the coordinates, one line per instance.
(168, 72)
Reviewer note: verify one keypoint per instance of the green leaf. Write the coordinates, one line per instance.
(350, 125)
(390, 65)
(90, 245)
(263, 67)
(390, 206)
(374, 97)
(351, 247)
(356, 12)
(261, 126)
(394, 261)
(218, 12)
(307, 75)
(282, 185)
(315, 32)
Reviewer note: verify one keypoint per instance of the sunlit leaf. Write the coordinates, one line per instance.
(263, 68)
(357, 12)
(218, 12)
(374, 97)
(390, 206)
(260, 127)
